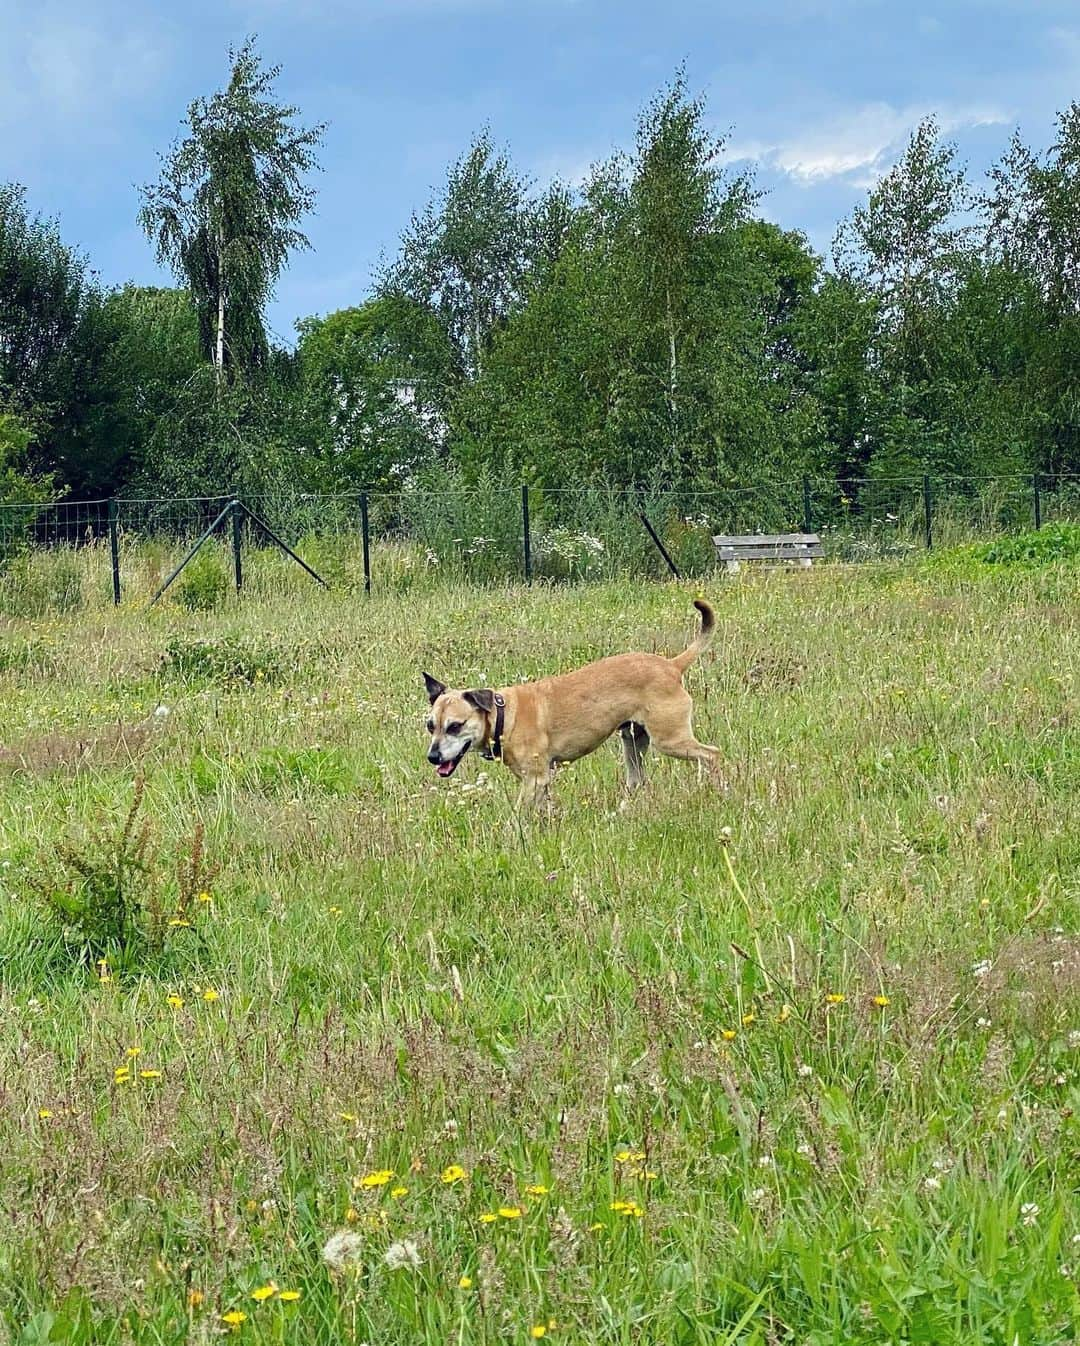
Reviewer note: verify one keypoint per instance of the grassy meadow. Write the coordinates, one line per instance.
(313, 1047)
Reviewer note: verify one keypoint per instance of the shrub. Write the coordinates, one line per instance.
(1037, 547)
(229, 661)
(112, 899)
(204, 582)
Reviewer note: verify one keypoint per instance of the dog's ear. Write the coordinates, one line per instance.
(483, 698)
(435, 688)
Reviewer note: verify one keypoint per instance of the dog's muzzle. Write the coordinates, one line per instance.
(449, 766)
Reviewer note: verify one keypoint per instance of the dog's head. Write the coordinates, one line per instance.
(458, 721)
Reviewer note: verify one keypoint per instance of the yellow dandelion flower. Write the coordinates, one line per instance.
(175, 1001)
(453, 1173)
(352, 1215)
(785, 1014)
(596, 1227)
(234, 1318)
(488, 1217)
(620, 1206)
(180, 922)
(195, 1298)
(464, 1283)
(537, 1189)
(540, 1330)
(728, 1034)
(398, 1192)
(121, 1074)
(288, 1296)
(132, 1052)
(629, 1156)
(210, 995)
(44, 1114)
(149, 1074)
(203, 897)
(334, 911)
(377, 1179)
(264, 1292)
(509, 1212)
(835, 998)
(748, 1018)
(348, 1116)
(881, 1001)
(251, 1206)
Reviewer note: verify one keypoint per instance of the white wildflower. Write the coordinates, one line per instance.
(162, 713)
(343, 1250)
(805, 1071)
(982, 968)
(1029, 1213)
(403, 1256)
(932, 1184)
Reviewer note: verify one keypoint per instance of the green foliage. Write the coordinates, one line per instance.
(1045, 546)
(114, 904)
(229, 660)
(372, 391)
(203, 583)
(41, 584)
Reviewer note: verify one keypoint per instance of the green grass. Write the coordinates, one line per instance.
(405, 975)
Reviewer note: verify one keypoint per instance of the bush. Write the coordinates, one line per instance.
(114, 903)
(1038, 547)
(229, 661)
(204, 582)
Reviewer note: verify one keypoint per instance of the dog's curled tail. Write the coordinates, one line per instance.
(704, 639)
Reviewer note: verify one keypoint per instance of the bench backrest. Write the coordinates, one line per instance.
(769, 547)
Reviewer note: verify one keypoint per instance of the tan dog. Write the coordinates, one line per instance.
(535, 725)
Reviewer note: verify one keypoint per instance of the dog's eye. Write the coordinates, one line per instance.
(431, 726)
(454, 728)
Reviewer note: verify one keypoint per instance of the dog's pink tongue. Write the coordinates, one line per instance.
(446, 768)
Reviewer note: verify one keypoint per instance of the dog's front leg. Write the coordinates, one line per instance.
(536, 781)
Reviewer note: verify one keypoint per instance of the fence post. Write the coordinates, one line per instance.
(807, 511)
(1036, 497)
(928, 510)
(114, 552)
(237, 525)
(526, 538)
(365, 534)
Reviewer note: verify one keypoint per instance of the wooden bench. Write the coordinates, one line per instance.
(802, 548)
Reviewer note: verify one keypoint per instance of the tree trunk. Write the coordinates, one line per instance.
(219, 346)
(672, 372)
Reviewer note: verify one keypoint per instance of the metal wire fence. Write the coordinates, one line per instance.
(503, 533)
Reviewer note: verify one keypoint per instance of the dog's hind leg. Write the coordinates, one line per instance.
(635, 742)
(670, 730)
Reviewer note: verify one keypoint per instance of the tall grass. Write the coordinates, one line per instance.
(799, 1062)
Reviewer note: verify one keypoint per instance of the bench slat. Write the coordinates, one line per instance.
(766, 539)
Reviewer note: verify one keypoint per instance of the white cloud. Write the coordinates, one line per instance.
(857, 146)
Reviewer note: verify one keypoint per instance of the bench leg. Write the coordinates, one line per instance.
(732, 567)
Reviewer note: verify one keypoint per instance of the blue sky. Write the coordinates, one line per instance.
(819, 95)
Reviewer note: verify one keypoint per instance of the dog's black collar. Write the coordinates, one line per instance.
(494, 750)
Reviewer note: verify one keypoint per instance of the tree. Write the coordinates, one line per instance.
(371, 404)
(909, 249)
(466, 256)
(1033, 215)
(226, 210)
